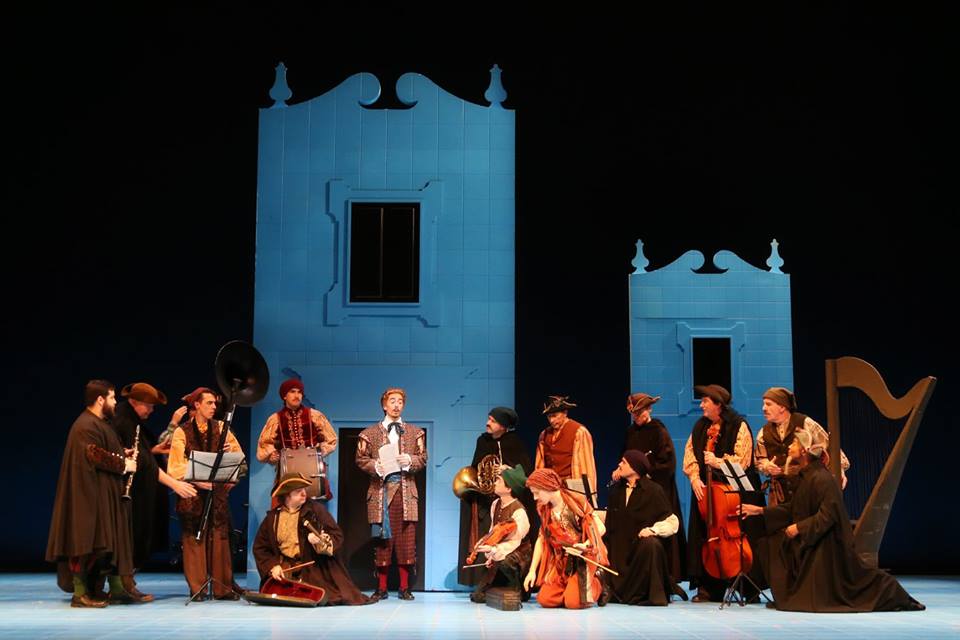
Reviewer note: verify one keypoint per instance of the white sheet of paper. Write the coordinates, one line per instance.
(388, 458)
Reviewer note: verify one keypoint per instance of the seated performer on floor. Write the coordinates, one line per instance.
(507, 552)
(812, 564)
(569, 548)
(283, 540)
(639, 523)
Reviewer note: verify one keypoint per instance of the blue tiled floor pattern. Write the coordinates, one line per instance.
(32, 607)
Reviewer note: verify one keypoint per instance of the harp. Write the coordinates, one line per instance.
(849, 372)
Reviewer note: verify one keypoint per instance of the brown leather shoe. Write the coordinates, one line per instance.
(86, 601)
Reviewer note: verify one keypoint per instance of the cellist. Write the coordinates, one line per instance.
(504, 546)
(734, 442)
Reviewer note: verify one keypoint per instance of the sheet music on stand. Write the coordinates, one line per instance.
(576, 485)
(736, 476)
(201, 462)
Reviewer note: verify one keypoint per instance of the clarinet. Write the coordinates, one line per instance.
(136, 448)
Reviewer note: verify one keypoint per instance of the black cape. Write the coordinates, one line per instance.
(642, 562)
(819, 570)
(327, 572)
(150, 504)
(514, 452)
(89, 516)
(654, 440)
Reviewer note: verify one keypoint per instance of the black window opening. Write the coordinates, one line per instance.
(385, 252)
(711, 362)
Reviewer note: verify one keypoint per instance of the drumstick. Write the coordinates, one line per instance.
(296, 566)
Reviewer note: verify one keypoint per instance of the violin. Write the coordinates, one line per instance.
(497, 534)
(722, 554)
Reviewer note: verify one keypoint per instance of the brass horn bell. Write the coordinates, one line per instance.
(480, 479)
(464, 481)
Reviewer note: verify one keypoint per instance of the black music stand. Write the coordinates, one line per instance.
(243, 376)
(737, 480)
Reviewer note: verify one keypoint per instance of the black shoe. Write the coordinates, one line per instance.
(914, 606)
(678, 591)
(120, 597)
(378, 595)
(86, 601)
(232, 595)
(404, 594)
(604, 598)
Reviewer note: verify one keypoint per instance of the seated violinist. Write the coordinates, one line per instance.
(507, 553)
(299, 532)
(569, 550)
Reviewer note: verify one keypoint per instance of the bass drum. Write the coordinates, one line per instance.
(308, 462)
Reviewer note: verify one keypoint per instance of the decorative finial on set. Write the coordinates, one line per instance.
(280, 92)
(495, 93)
(640, 262)
(774, 261)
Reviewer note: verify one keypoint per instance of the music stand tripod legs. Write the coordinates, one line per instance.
(733, 592)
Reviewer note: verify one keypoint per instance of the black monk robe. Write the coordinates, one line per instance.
(89, 518)
(654, 440)
(642, 562)
(819, 570)
(327, 572)
(149, 504)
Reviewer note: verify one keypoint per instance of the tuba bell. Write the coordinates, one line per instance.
(480, 479)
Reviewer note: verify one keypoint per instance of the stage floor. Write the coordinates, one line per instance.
(31, 606)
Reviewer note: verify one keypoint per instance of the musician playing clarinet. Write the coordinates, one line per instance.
(302, 531)
(295, 427)
(148, 504)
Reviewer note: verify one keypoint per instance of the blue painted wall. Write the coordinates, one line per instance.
(672, 305)
(454, 351)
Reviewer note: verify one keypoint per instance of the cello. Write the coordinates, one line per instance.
(726, 551)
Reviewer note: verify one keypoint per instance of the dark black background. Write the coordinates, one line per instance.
(130, 197)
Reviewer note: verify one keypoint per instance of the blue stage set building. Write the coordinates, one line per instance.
(452, 346)
(677, 315)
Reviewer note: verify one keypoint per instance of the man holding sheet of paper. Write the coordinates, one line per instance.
(390, 452)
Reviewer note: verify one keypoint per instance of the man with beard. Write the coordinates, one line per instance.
(638, 519)
(783, 422)
(283, 541)
(650, 436)
(148, 505)
(202, 433)
(501, 440)
(813, 565)
(295, 427)
(90, 529)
